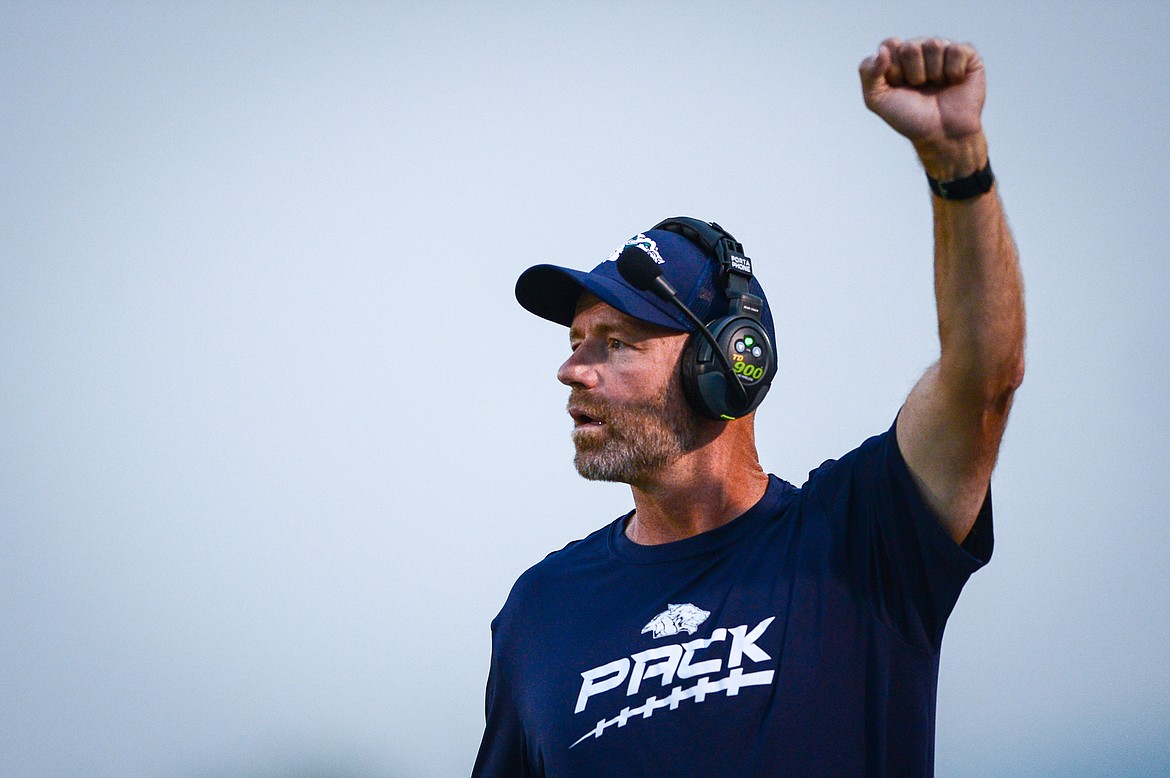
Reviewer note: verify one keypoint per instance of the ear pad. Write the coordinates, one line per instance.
(749, 350)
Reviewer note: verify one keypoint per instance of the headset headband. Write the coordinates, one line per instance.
(734, 265)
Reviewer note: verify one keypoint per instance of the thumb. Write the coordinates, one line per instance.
(872, 67)
(876, 72)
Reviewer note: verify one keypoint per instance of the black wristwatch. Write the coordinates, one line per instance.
(964, 188)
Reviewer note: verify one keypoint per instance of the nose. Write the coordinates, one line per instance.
(577, 372)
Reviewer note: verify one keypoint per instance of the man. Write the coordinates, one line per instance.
(733, 624)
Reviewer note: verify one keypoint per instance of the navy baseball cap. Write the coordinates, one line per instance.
(551, 292)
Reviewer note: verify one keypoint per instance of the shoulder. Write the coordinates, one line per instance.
(573, 554)
(873, 453)
(547, 578)
(872, 486)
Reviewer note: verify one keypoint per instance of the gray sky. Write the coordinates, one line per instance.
(275, 438)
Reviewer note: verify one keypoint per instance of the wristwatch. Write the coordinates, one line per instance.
(964, 188)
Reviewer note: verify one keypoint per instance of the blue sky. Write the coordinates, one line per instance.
(275, 438)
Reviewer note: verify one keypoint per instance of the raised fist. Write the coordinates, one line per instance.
(931, 91)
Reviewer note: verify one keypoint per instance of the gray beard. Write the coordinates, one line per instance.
(638, 440)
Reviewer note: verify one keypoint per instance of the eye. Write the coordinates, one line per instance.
(614, 344)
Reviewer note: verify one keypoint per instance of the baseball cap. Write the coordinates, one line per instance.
(551, 291)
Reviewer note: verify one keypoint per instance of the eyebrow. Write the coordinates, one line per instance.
(632, 330)
(601, 329)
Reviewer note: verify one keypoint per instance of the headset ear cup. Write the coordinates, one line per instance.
(705, 382)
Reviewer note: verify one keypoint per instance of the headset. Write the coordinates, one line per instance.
(729, 363)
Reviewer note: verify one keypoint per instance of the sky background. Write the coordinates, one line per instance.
(275, 438)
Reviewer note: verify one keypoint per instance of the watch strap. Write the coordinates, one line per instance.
(964, 188)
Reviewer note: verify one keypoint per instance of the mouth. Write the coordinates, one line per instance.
(583, 420)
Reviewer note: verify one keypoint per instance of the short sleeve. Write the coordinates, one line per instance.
(502, 749)
(891, 545)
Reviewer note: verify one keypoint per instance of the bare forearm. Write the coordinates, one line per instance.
(979, 294)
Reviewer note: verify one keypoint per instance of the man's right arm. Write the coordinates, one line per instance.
(501, 751)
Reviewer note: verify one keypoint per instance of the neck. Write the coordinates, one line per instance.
(701, 490)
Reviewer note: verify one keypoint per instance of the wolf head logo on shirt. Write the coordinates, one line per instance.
(676, 619)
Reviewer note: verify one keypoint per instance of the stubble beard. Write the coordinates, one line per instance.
(637, 439)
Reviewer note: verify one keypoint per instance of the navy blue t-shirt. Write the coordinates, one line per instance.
(800, 639)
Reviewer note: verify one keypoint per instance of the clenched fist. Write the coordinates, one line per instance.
(931, 91)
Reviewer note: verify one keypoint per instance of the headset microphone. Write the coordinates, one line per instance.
(644, 274)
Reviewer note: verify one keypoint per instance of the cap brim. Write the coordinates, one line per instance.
(551, 292)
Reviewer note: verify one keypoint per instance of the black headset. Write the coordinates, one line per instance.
(728, 366)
